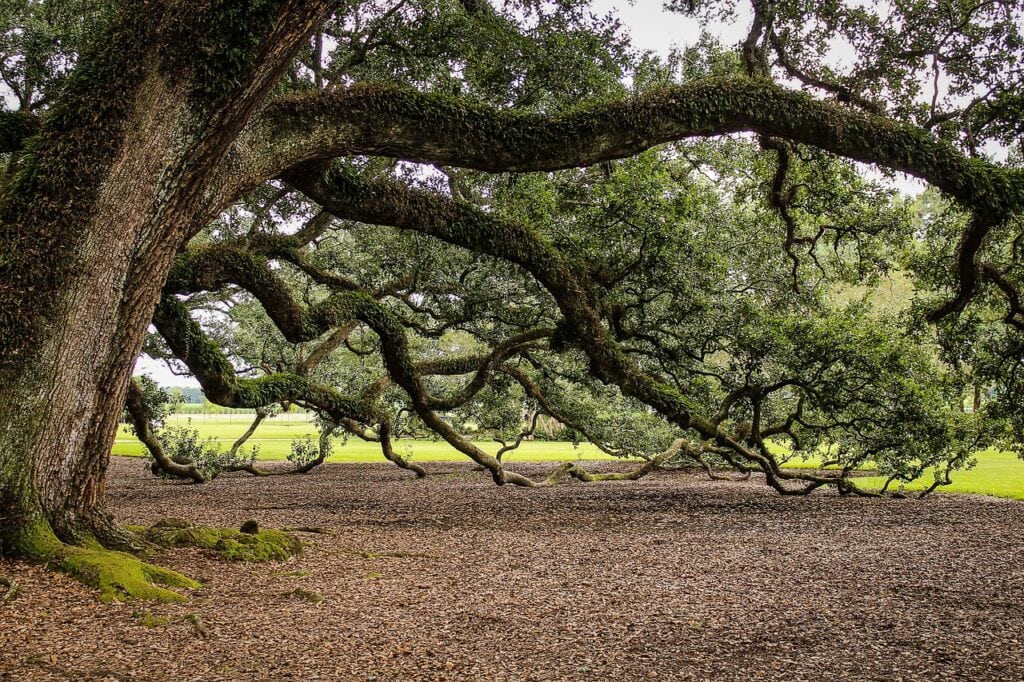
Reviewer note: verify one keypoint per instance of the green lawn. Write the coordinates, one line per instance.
(997, 473)
(275, 435)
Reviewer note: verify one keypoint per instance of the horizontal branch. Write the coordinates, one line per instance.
(653, 464)
(385, 120)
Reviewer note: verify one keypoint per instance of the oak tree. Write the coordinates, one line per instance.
(597, 225)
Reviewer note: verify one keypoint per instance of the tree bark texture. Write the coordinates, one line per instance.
(117, 181)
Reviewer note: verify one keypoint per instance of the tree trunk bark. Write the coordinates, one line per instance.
(128, 165)
(60, 412)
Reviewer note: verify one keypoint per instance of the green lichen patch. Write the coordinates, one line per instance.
(230, 544)
(267, 545)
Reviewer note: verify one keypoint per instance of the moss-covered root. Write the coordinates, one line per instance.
(117, 575)
(120, 576)
(233, 545)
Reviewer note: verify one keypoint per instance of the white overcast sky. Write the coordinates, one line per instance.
(656, 29)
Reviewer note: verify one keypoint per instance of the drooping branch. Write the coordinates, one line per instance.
(297, 323)
(261, 414)
(323, 450)
(222, 386)
(208, 268)
(386, 446)
(391, 203)
(1015, 309)
(141, 421)
(430, 128)
(968, 275)
(534, 392)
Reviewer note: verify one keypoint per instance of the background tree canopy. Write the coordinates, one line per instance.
(454, 219)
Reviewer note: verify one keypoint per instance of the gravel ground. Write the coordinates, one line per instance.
(451, 578)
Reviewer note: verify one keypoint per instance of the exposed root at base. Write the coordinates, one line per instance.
(120, 576)
(117, 575)
(230, 544)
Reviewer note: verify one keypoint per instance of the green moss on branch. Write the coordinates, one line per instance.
(441, 129)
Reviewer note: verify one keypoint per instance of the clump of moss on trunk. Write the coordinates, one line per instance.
(229, 544)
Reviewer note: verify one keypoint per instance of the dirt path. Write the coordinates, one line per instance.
(452, 578)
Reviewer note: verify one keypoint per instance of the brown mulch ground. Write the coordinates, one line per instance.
(451, 578)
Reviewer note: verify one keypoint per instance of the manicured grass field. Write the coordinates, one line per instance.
(996, 473)
(275, 435)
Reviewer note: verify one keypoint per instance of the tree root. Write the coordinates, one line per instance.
(12, 591)
(229, 544)
(120, 576)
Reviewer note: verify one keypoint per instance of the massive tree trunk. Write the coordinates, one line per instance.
(79, 225)
(120, 176)
(69, 393)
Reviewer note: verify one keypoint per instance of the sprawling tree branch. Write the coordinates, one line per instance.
(430, 128)
(141, 422)
(392, 203)
(220, 383)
